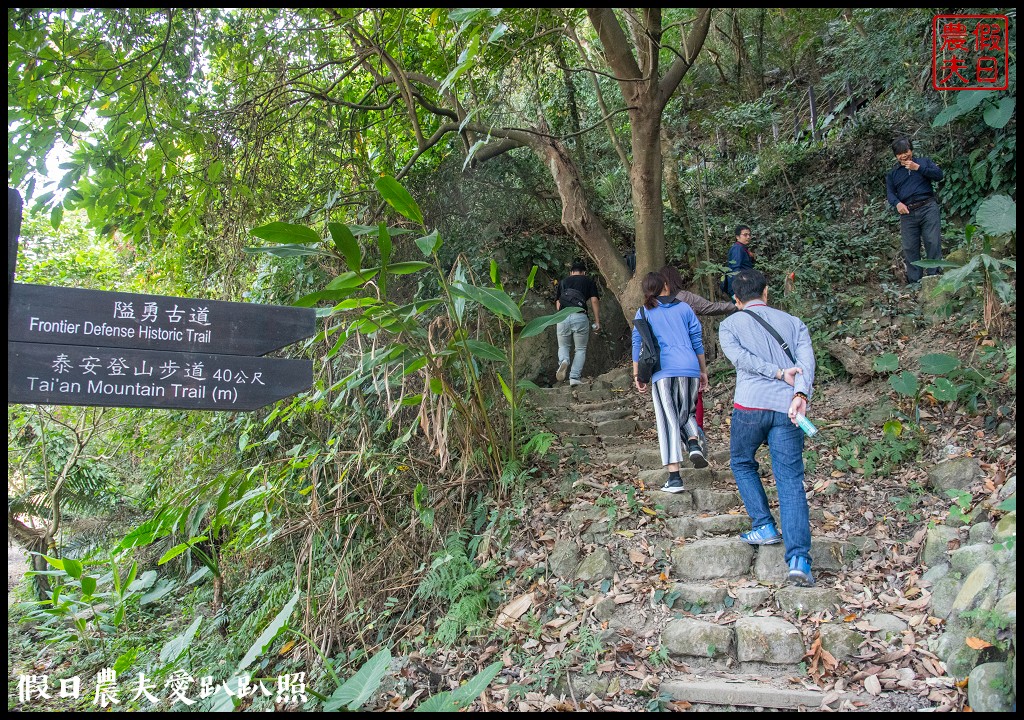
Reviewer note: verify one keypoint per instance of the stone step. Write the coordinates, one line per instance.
(547, 398)
(615, 404)
(712, 558)
(623, 454)
(691, 477)
(582, 440)
(592, 396)
(715, 501)
(624, 428)
(769, 640)
(574, 428)
(620, 441)
(752, 691)
(648, 457)
(600, 416)
(698, 527)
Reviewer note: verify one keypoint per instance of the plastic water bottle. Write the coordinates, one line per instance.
(806, 425)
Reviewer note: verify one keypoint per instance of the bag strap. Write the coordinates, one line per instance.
(774, 333)
(654, 338)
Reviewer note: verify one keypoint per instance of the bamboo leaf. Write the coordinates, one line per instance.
(486, 351)
(287, 251)
(55, 562)
(497, 301)
(429, 244)
(346, 244)
(407, 268)
(287, 233)
(539, 324)
(506, 390)
(73, 568)
(179, 549)
(399, 198)
(88, 585)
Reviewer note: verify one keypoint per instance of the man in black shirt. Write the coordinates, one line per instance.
(576, 290)
(908, 186)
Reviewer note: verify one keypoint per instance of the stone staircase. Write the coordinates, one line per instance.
(667, 573)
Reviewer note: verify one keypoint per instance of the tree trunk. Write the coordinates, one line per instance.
(645, 179)
(34, 541)
(581, 221)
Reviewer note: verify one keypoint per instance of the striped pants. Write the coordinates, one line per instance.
(675, 405)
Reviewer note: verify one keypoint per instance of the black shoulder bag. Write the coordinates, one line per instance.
(773, 332)
(649, 360)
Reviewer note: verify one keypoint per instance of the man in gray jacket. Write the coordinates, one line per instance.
(771, 391)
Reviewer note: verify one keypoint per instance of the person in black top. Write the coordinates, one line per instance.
(576, 290)
(908, 186)
(740, 257)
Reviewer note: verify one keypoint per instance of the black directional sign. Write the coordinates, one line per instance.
(71, 316)
(52, 374)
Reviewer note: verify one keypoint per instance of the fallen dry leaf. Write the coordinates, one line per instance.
(977, 643)
(872, 685)
(514, 610)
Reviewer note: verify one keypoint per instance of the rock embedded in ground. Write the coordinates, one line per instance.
(768, 639)
(956, 474)
(712, 558)
(697, 638)
(989, 688)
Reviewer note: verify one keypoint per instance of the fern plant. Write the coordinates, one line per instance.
(458, 584)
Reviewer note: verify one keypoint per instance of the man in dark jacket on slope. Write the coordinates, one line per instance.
(908, 186)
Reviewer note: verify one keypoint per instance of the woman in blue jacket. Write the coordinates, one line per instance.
(682, 375)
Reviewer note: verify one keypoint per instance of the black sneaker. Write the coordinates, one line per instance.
(703, 440)
(696, 454)
(673, 485)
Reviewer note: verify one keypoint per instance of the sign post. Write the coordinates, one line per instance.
(67, 346)
(70, 316)
(48, 374)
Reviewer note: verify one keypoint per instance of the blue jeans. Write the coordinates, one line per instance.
(750, 430)
(921, 226)
(574, 332)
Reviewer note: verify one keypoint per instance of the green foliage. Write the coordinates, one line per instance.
(888, 362)
(444, 371)
(84, 601)
(985, 277)
(961, 504)
(995, 106)
(972, 386)
(465, 695)
(353, 693)
(875, 456)
(971, 177)
(908, 504)
(459, 587)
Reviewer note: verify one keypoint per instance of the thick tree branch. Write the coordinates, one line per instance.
(621, 151)
(691, 46)
(617, 50)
